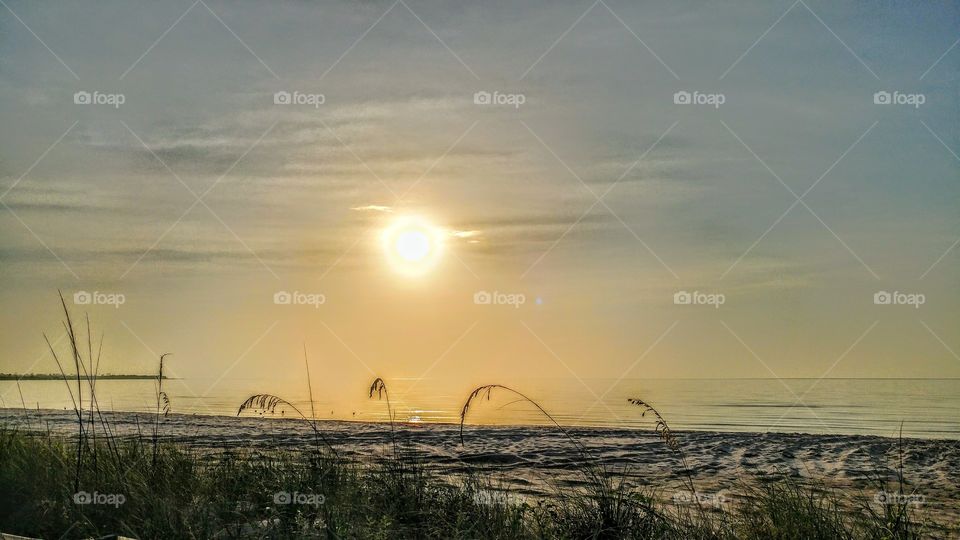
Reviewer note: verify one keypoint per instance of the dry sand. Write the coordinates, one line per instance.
(534, 461)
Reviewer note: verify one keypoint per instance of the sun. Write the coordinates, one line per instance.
(412, 245)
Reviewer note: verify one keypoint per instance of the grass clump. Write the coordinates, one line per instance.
(241, 494)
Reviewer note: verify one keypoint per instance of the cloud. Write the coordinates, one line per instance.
(524, 234)
(55, 207)
(539, 221)
(373, 208)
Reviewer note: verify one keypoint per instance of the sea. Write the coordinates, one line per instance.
(918, 408)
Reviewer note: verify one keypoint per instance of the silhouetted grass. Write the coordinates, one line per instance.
(188, 495)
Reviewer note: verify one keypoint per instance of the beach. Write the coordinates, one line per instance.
(536, 462)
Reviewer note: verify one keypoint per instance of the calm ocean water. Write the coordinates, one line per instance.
(927, 407)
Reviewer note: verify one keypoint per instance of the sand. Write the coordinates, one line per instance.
(536, 461)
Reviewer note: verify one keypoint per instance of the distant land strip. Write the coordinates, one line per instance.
(57, 376)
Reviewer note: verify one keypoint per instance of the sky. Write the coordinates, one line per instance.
(783, 199)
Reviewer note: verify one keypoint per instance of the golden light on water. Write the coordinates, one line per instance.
(412, 245)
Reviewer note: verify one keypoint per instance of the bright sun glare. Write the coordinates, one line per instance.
(412, 245)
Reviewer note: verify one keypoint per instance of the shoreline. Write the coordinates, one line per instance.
(6, 411)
